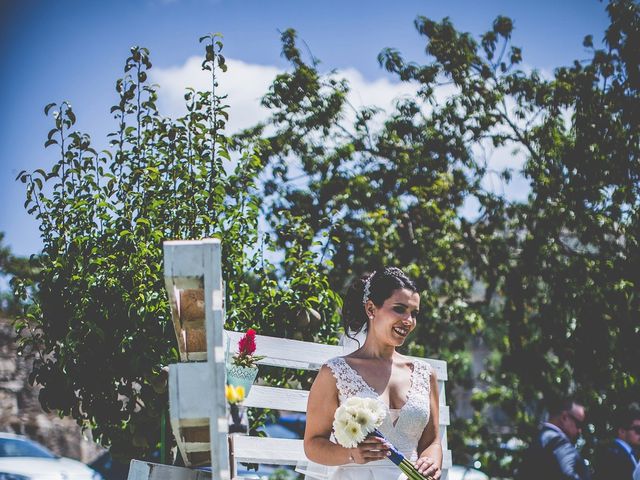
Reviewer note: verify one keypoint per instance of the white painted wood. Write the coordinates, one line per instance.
(187, 405)
(185, 259)
(443, 437)
(280, 451)
(296, 354)
(447, 461)
(286, 353)
(174, 406)
(195, 357)
(213, 390)
(274, 451)
(187, 382)
(198, 265)
(277, 398)
(191, 447)
(139, 470)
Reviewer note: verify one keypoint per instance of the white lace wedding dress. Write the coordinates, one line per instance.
(402, 427)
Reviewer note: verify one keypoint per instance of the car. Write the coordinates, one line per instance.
(24, 459)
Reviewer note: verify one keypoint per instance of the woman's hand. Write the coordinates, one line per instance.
(370, 449)
(427, 467)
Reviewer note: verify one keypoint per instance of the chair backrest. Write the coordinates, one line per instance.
(198, 408)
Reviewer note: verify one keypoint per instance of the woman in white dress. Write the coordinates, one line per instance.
(385, 303)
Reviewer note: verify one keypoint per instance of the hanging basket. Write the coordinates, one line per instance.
(238, 375)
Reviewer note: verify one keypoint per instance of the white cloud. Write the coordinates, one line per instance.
(246, 83)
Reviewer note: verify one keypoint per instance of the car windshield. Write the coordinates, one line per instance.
(17, 447)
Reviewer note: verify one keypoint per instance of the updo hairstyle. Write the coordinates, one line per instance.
(382, 284)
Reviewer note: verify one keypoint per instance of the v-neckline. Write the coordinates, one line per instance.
(378, 395)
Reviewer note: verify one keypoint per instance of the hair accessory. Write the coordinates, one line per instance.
(394, 272)
(367, 288)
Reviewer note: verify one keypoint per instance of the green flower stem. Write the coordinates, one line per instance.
(411, 472)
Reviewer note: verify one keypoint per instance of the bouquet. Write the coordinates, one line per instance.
(360, 417)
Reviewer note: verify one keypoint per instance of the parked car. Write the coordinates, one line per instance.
(24, 459)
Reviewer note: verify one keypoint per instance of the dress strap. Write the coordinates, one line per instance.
(422, 378)
(347, 382)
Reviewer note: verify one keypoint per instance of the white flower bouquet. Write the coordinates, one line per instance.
(356, 419)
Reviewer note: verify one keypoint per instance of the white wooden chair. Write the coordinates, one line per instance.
(198, 408)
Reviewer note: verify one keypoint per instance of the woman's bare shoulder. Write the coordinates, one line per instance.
(325, 379)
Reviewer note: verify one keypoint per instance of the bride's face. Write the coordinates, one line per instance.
(395, 319)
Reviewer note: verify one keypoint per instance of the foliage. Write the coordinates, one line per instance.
(376, 197)
(548, 284)
(99, 321)
(570, 280)
(11, 267)
(386, 191)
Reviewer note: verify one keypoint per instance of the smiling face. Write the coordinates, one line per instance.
(395, 318)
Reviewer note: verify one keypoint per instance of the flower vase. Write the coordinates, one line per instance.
(238, 375)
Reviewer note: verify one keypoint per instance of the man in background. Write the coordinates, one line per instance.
(552, 455)
(620, 458)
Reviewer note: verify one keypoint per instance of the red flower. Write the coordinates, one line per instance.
(247, 344)
(246, 348)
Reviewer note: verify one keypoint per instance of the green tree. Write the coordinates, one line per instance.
(99, 320)
(570, 282)
(392, 194)
(558, 305)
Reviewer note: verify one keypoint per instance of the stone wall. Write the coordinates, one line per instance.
(20, 411)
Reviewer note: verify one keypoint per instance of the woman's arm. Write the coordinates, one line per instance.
(429, 448)
(321, 407)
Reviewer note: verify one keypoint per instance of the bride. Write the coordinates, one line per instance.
(385, 304)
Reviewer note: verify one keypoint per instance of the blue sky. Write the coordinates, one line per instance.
(75, 49)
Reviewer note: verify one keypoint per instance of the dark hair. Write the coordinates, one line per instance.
(625, 417)
(557, 405)
(382, 284)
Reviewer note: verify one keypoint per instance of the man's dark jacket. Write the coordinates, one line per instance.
(614, 463)
(552, 456)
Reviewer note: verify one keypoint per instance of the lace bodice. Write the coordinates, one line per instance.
(412, 418)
